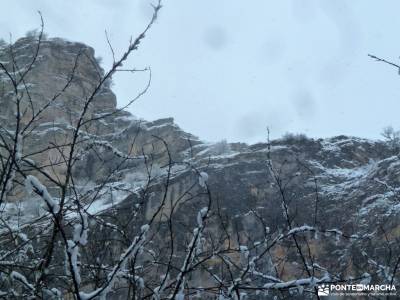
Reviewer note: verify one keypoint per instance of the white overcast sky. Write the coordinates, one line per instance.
(228, 69)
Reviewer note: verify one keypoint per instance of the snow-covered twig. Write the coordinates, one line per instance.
(112, 276)
(192, 249)
(33, 184)
(21, 278)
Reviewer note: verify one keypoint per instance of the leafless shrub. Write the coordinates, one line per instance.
(392, 137)
(221, 147)
(292, 138)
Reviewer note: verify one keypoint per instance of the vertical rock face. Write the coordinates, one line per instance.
(58, 63)
(343, 184)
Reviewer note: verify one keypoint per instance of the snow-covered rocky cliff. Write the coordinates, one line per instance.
(339, 196)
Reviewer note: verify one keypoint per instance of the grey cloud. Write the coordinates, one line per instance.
(253, 125)
(215, 37)
(273, 49)
(304, 103)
